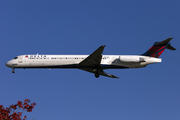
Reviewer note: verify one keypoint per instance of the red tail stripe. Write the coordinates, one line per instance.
(154, 49)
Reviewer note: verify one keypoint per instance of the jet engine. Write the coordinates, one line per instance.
(135, 59)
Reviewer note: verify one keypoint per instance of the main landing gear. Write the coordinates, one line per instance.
(96, 71)
(13, 70)
(96, 75)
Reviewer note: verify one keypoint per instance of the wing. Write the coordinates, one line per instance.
(94, 59)
(101, 72)
(92, 63)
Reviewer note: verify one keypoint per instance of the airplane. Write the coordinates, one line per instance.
(94, 63)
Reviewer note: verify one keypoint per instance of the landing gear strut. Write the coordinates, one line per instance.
(13, 70)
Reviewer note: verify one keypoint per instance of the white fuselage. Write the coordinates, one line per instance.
(72, 61)
(95, 62)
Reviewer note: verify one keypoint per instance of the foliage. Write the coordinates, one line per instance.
(13, 111)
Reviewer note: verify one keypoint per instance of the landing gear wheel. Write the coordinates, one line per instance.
(13, 70)
(96, 71)
(96, 75)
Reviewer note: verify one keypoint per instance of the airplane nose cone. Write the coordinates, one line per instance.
(9, 64)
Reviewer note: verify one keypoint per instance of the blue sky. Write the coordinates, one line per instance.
(80, 27)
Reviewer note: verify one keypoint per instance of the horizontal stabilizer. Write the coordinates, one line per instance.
(164, 42)
(171, 47)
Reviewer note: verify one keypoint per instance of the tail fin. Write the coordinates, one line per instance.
(158, 48)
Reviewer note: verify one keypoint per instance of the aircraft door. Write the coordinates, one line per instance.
(20, 59)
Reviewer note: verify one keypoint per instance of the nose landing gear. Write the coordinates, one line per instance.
(13, 70)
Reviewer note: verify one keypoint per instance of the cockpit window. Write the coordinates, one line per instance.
(16, 58)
